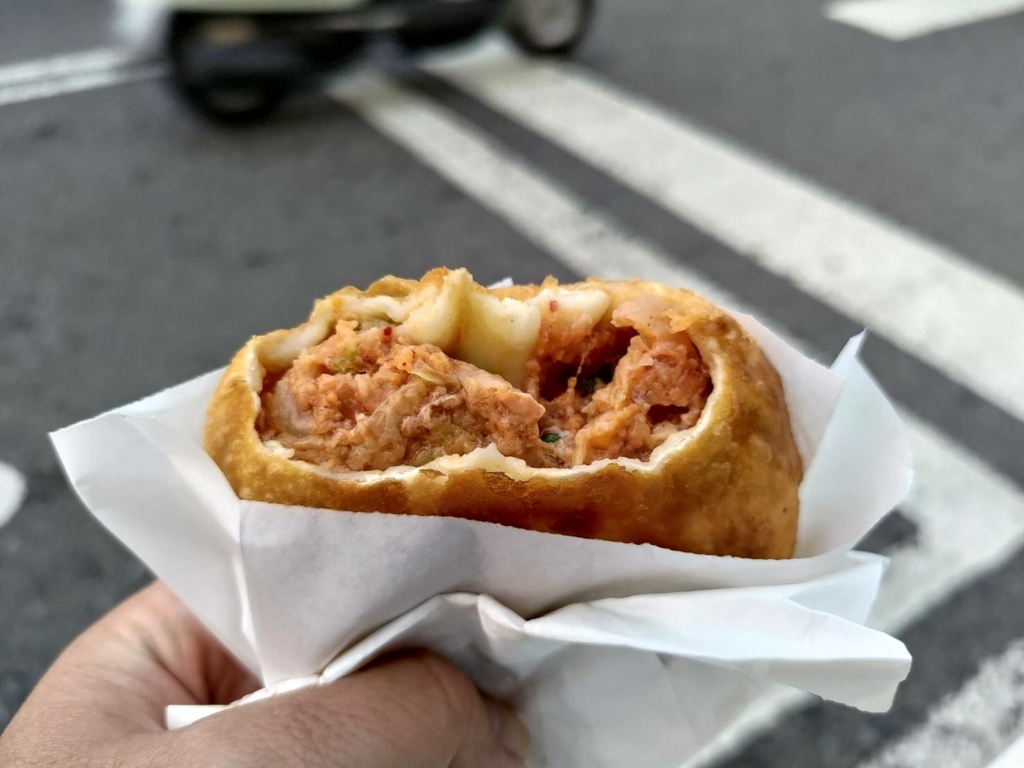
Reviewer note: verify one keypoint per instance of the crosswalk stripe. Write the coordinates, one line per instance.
(950, 480)
(944, 502)
(1012, 757)
(907, 19)
(967, 729)
(90, 81)
(71, 73)
(922, 297)
(66, 65)
(970, 517)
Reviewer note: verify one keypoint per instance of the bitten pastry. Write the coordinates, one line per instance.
(625, 411)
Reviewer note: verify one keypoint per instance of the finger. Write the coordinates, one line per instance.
(117, 678)
(507, 730)
(176, 640)
(416, 711)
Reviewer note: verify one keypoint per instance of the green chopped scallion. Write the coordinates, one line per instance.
(587, 384)
(346, 361)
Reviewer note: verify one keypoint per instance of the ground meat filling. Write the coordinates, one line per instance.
(364, 400)
(617, 390)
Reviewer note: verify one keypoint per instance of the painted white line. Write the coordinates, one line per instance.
(12, 492)
(951, 489)
(1012, 757)
(922, 297)
(72, 73)
(964, 730)
(970, 519)
(88, 81)
(538, 207)
(956, 500)
(969, 515)
(102, 59)
(906, 19)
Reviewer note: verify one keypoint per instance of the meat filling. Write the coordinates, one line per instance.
(365, 400)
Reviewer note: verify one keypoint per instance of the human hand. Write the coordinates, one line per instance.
(102, 704)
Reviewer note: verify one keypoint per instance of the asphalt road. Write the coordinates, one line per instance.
(139, 246)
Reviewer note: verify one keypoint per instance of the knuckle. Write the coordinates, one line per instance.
(455, 701)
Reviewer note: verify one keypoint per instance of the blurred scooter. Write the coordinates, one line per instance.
(235, 61)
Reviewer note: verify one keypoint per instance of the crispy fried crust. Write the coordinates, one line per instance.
(727, 487)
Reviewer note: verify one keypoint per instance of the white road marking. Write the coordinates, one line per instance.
(102, 59)
(952, 490)
(922, 297)
(72, 73)
(538, 207)
(1012, 757)
(90, 81)
(950, 481)
(906, 19)
(970, 518)
(966, 730)
(12, 492)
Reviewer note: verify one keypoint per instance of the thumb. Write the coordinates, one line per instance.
(415, 711)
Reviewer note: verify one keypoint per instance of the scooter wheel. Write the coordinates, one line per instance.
(549, 26)
(227, 97)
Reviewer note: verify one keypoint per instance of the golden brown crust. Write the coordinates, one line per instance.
(730, 488)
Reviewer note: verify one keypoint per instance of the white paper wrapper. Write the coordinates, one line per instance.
(12, 492)
(614, 654)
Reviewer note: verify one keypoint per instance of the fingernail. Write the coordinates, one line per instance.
(509, 732)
